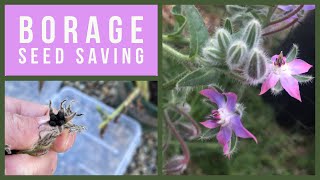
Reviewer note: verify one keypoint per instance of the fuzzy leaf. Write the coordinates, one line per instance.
(199, 77)
(180, 19)
(228, 26)
(293, 53)
(197, 29)
(303, 78)
(172, 83)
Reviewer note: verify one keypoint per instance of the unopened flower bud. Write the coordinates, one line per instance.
(184, 107)
(223, 37)
(256, 68)
(236, 55)
(187, 130)
(212, 55)
(252, 33)
(175, 166)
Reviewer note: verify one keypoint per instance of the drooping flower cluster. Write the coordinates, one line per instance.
(226, 118)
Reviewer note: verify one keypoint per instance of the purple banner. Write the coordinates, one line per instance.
(81, 40)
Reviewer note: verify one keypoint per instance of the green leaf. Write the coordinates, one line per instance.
(172, 83)
(303, 78)
(260, 17)
(199, 77)
(197, 29)
(293, 53)
(180, 19)
(228, 26)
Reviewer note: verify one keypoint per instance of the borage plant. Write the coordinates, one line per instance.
(233, 59)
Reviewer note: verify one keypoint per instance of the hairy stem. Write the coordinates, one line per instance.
(271, 11)
(174, 131)
(172, 83)
(188, 117)
(294, 12)
(169, 51)
(177, 40)
(133, 95)
(281, 28)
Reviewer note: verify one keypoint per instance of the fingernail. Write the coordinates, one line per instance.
(69, 140)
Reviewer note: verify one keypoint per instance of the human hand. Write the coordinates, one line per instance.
(21, 132)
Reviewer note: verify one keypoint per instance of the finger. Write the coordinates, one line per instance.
(64, 141)
(25, 108)
(23, 164)
(21, 132)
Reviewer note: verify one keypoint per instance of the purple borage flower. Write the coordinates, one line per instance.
(288, 8)
(292, 7)
(225, 117)
(282, 71)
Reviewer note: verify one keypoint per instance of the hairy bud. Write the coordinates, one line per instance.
(223, 37)
(175, 166)
(236, 55)
(212, 55)
(252, 34)
(256, 68)
(187, 130)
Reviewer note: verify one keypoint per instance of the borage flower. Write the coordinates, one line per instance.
(288, 8)
(225, 117)
(283, 72)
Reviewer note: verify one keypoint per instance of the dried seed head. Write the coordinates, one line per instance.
(50, 130)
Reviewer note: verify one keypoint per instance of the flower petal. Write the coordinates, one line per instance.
(231, 100)
(241, 131)
(298, 66)
(209, 124)
(274, 58)
(285, 7)
(309, 7)
(224, 137)
(270, 82)
(290, 84)
(214, 96)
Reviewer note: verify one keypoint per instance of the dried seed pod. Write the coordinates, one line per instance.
(50, 130)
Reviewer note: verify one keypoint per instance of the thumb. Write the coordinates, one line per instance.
(22, 132)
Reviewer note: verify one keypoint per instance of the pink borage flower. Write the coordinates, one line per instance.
(226, 118)
(283, 71)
